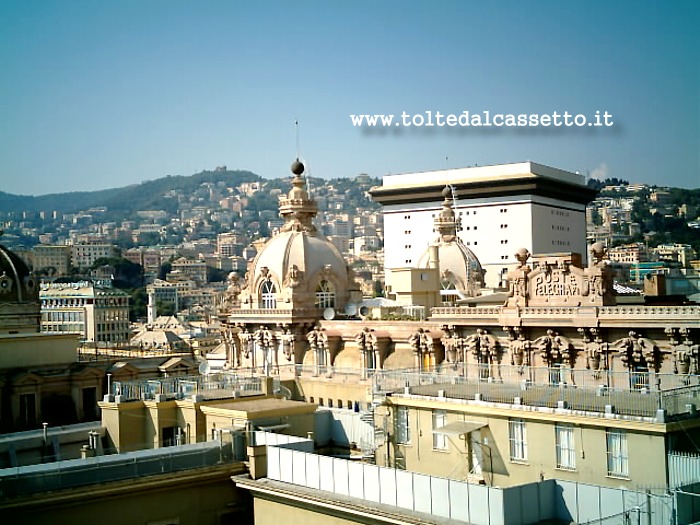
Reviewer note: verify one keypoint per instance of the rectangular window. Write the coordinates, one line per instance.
(566, 452)
(402, 429)
(439, 440)
(518, 440)
(618, 462)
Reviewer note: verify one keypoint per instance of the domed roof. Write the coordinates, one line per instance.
(293, 255)
(457, 264)
(17, 284)
(298, 258)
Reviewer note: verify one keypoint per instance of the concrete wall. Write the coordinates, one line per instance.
(30, 350)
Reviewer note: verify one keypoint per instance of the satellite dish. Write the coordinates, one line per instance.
(350, 309)
(204, 368)
(329, 313)
(364, 311)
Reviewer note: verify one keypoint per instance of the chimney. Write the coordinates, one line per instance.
(433, 257)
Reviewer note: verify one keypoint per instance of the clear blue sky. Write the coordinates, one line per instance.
(98, 94)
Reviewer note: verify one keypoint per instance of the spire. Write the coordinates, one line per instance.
(446, 223)
(298, 209)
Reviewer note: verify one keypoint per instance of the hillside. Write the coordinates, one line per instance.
(144, 196)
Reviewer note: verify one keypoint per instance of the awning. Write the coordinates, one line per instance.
(458, 428)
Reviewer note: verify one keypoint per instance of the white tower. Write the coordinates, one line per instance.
(151, 308)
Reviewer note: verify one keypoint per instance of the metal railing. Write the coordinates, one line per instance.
(634, 395)
(211, 386)
(34, 479)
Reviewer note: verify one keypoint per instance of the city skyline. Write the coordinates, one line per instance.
(104, 95)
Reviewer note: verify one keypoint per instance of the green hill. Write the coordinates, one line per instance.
(144, 196)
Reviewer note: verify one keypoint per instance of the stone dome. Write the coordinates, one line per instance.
(298, 266)
(297, 259)
(459, 268)
(17, 283)
(20, 308)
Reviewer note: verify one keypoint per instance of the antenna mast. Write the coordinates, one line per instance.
(296, 132)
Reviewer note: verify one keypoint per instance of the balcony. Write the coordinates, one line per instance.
(639, 396)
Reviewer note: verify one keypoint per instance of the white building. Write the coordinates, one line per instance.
(501, 208)
(99, 313)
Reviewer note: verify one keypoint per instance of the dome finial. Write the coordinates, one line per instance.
(297, 167)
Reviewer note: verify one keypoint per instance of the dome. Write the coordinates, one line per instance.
(296, 259)
(298, 267)
(459, 268)
(17, 284)
(457, 265)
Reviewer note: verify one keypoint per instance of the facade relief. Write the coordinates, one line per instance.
(266, 342)
(686, 353)
(519, 348)
(638, 354)
(366, 341)
(421, 343)
(555, 350)
(560, 280)
(318, 345)
(596, 351)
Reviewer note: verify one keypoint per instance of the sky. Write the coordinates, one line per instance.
(99, 94)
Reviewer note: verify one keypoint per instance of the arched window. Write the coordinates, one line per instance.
(325, 295)
(448, 293)
(268, 295)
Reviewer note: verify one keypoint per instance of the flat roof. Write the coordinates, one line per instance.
(482, 173)
(259, 407)
(503, 180)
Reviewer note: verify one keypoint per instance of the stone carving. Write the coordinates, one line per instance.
(232, 292)
(595, 350)
(685, 353)
(599, 277)
(233, 349)
(519, 348)
(485, 349)
(422, 345)
(517, 292)
(638, 353)
(421, 342)
(318, 343)
(288, 343)
(560, 280)
(485, 346)
(267, 343)
(247, 344)
(294, 277)
(367, 343)
(450, 341)
(555, 349)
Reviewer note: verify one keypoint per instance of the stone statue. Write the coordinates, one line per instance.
(266, 341)
(449, 342)
(519, 349)
(367, 342)
(288, 344)
(595, 350)
(517, 291)
(555, 349)
(637, 352)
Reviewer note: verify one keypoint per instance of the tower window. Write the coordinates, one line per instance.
(325, 295)
(268, 295)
